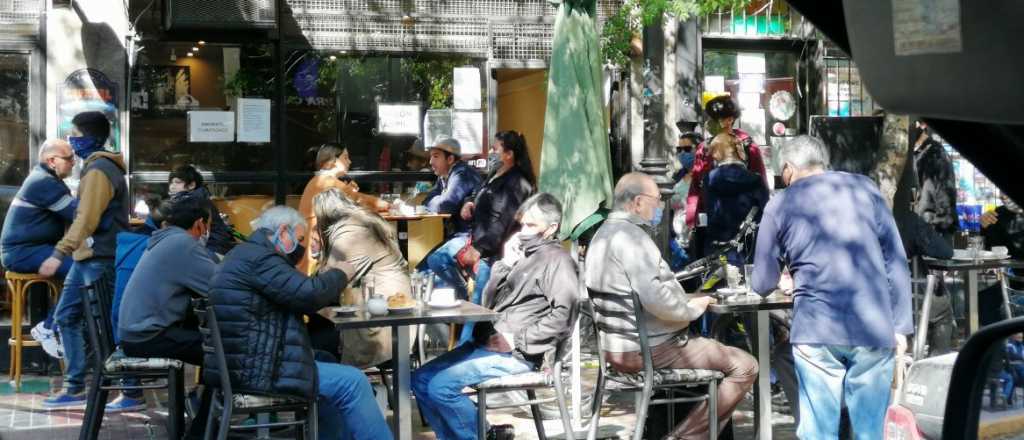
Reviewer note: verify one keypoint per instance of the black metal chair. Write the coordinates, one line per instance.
(111, 367)
(225, 402)
(529, 382)
(673, 380)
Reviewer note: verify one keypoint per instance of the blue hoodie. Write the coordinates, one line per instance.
(729, 192)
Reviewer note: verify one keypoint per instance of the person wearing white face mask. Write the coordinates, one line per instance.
(623, 259)
(154, 316)
(533, 288)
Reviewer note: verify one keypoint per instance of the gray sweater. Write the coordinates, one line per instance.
(623, 259)
(158, 293)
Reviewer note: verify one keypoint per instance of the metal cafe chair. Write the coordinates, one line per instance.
(110, 367)
(673, 380)
(225, 402)
(529, 382)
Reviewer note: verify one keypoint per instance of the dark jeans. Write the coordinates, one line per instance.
(184, 343)
(181, 343)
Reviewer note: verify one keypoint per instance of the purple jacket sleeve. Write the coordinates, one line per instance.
(768, 254)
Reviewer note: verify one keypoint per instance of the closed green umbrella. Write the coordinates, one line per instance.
(575, 163)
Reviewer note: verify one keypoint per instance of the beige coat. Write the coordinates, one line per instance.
(350, 241)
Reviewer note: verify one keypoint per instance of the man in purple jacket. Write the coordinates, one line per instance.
(851, 288)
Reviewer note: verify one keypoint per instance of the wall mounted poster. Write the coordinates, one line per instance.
(468, 129)
(89, 90)
(437, 125)
(253, 122)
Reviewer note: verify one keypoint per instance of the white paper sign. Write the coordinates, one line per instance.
(437, 125)
(714, 83)
(750, 62)
(211, 126)
(749, 101)
(467, 88)
(253, 120)
(751, 82)
(468, 129)
(398, 119)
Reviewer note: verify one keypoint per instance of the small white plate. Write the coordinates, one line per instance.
(726, 291)
(445, 305)
(345, 310)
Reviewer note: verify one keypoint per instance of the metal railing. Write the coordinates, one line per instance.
(20, 12)
(772, 19)
(495, 29)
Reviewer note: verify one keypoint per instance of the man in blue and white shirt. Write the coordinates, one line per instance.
(851, 297)
(39, 214)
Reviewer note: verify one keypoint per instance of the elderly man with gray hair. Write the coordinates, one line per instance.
(260, 299)
(851, 288)
(623, 259)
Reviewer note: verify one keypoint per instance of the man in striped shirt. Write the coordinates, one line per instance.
(36, 220)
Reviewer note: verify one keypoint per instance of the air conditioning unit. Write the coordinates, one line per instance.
(220, 14)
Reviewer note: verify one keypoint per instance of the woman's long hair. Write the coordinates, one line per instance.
(332, 207)
(515, 142)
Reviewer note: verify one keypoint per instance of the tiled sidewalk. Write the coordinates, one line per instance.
(22, 417)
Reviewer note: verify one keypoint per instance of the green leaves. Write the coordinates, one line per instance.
(634, 15)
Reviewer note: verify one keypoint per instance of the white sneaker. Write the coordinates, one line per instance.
(48, 339)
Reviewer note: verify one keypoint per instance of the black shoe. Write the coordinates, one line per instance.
(501, 432)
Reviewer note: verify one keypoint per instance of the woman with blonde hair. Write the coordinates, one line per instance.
(730, 191)
(349, 232)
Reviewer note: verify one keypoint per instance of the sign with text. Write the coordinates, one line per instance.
(211, 126)
(398, 119)
(89, 90)
(253, 120)
(468, 129)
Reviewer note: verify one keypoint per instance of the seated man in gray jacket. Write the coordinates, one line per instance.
(155, 313)
(534, 289)
(623, 259)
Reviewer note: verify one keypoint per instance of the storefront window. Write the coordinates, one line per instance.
(14, 119)
(171, 80)
(764, 86)
(335, 98)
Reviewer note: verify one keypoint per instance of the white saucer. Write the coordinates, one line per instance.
(445, 305)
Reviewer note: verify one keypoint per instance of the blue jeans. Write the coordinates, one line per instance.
(828, 374)
(438, 387)
(346, 408)
(442, 262)
(70, 316)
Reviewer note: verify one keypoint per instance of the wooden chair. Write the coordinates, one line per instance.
(674, 380)
(18, 286)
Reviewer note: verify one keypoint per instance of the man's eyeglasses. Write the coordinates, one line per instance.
(69, 158)
(657, 197)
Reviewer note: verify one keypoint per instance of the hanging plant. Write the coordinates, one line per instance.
(621, 39)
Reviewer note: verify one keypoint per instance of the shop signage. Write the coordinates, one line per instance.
(468, 129)
(89, 90)
(211, 126)
(253, 120)
(398, 119)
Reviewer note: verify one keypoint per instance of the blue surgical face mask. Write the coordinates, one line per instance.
(658, 212)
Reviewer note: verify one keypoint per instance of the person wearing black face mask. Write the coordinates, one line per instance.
(490, 213)
(260, 300)
(533, 288)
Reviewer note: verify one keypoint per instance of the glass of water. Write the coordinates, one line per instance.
(748, 277)
(975, 244)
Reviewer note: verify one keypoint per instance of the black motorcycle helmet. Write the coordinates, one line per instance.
(722, 107)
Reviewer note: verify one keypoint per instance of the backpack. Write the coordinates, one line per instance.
(130, 246)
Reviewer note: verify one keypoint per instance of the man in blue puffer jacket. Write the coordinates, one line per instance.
(259, 299)
(39, 213)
